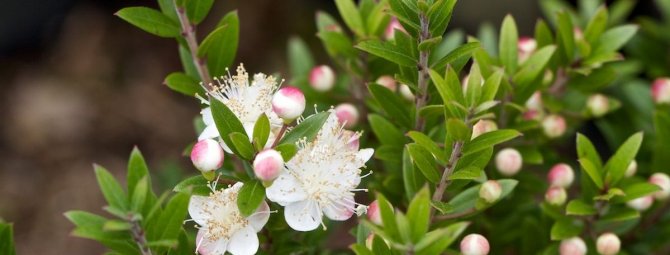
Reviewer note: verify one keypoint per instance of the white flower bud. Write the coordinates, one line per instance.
(660, 91)
(632, 168)
(490, 191)
(406, 93)
(556, 196)
(508, 161)
(535, 101)
(388, 82)
(598, 105)
(474, 244)
(393, 25)
(526, 46)
(288, 103)
(572, 246)
(483, 126)
(662, 180)
(561, 175)
(322, 78)
(553, 126)
(608, 244)
(347, 114)
(268, 164)
(207, 155)
(641, 203)
(374, 215)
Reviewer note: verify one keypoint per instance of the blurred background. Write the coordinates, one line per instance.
(80, 86)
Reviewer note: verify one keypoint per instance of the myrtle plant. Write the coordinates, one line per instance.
(424, 140)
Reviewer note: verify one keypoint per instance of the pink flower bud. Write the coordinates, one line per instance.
(268, 164)
(608, 244)
(662, 180)
(322, 78)
(632, 168)
(207, 155)
(406, 93)
(526, 46)
(393, 25)
(474, 244)
(641, 203)
(573, 246)
(508, 161)
(374, 215)
(598, 105)
(532, 115)
(535, 101)
(347, 115)
(660, 91)
(288, 103)
(490, 191)
(561, 175)
(553, 125)
(483, 126)
(556, 196)
(388, 82)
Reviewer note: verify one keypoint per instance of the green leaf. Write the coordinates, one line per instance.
(337, 44)
(385, 131)
(662, 148)
(436, 241)
(419, 213)
(439, 16)
(491, 85)
(592, 171)
(196, 185)
(116, 225)
(462, 51)
(226, 121)
(450, 89)
(407, 14)
(473, 91)
(621, 214)
(585, 149)
(509, 38)
(543, 34)
(595, 81)
(614, 38)
(287, 150)
(377, 19)
(351, 16)
(187, 63)
(579, 207)
(411, 177)
(300, 60)
(392, 104)
(388, 51)
(467, 173)
(111, 189)
(150, 20)
(442, 207)
(171, 219)
(220, 46)
(388, 217)
(534, 66)
(261, 132)
(596, 26)
(7, 239)
(424, 161)
(638, 190)
(139, 196)
(565, 38)
(250, 197)
(428, 144)
(243, 147)
(564, 229)
(137, 169)
(169, 243)
(616, 166)
(308, 128)
(196, 10)
(360, 249)
(184, 84)
(457, 130)
(490, 139)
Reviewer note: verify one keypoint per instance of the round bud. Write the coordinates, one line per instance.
(632, 168)
(641, 203)
(268, 164)
(598, 105)
(391, 28)
(347, 115)
(490, 191)
(553, 126)
(207, 155)
(532, 115)
(660, 91)
(572, 246)
(556, 196)
(535, 101)
(288, 103)
(474, 244)
(608, 244)
(526, 46)
(508, 161)
(483, 126)
(374, 215)
(662, 180)
(388, 82)
(561, 175)
(406, 93)
(322, 78)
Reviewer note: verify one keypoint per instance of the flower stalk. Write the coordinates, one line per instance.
(188, 32)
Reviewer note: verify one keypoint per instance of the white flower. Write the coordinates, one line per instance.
(321, 178)
(246, 100)
(222, 226)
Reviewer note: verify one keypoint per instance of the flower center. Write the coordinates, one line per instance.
(225, 219)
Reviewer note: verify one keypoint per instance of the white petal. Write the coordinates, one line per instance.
(285, 189)
(210, 247)
(243, 242)
(340, 210)
(303, 216)
(196, 209)
(207, 116)
(260, 217)
(365, 154)
(208, 133)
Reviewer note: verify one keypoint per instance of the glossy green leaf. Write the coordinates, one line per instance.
(592, 171)
(226, 121)
(299, 58)
(564, 229)
(170, 221)
(565, 38)
(436, 241)
(638, 190)
(197, 10)
(509, 38)
(388, 217)
(287, 150)
(385, 131)
(467, 173)
(412, 179)
(419, 213)
(137, 169)
(616, 166)
(580, 207)
(490, 139)
(337, 44)
(597, 25)
(534, 66)
(388, 51)
(116, 225)
(351, 16)
(424, 161)
(457, 130)
(110, 187)
(196, 185)
(491, 86)
(585, 149)
(261, 132)
(220, 46)
(614, 38)
(184, 84)
(308, 128)
(462, 51)
(392, 104)
(243, 147)
(428, 144)
(150, 20)
(139, 195)
(250, 197)
(439, 16)
(7, 239)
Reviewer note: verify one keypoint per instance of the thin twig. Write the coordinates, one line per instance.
(422, 66)
(138, 235)
(279, 136)
(188, 32)
(451, 165)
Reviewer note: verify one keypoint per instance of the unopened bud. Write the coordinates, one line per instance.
(268, 164)
(578, 34)
(572, 246)
(374, 215)
(553, 126)
(532, 115)
(490, 191)
(207, 155)
(632, 168)
(347, 115)
(561, 175)
(474, 244)
(535, 101)
(388, 82)
(662, 180)
(608, 244)
(641, 203)
(483, 126)
(508, 161)
(288, 103)
(598, 105)
(660, 91)
(322, 78)
(526, 46)
(556, 196)
(406, 93)
(393, 25)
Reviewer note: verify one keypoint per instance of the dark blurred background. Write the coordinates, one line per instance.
(80, 86)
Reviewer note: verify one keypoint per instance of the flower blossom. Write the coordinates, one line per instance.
(321, 178)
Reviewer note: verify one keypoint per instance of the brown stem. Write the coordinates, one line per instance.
(559, 83)
(422, 66)
(138, 235)
(451, 165)
(188, 32)
(279, 136)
